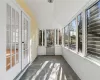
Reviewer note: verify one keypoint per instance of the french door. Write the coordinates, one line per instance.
(25, 40)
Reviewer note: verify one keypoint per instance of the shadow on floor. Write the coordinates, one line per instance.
(49, 68)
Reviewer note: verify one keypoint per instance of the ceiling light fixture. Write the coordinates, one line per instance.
(50, 1)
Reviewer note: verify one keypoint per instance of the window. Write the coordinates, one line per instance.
(66, 35)
(79, 19)
(60, 37)
(72, 35)
(43, 37)
(12, 38)
(40, 37)
(93, 29)
(56, 36)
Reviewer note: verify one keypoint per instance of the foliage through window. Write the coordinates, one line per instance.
(79, 32)
(72, 35)
(66, 36)
(93, 29)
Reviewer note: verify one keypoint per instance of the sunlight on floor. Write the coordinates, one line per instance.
(34, 77)
(49, 68)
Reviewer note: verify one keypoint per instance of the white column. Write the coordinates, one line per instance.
(62, 36)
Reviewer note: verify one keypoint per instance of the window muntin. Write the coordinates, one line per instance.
(93, 29)
(66, 36)
(72, 35)
(79, 19)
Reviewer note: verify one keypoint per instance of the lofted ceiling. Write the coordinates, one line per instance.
(56, 14)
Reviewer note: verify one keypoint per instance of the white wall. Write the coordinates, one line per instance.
(41, 50)
(2, 39)
(64, 10)
(84, 68)
(87, 68)
(58, 50)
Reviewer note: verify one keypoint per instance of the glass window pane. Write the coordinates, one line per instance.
(13, 60)
(50, 34)
(93, 29)
(17, 27)
(40, 37)
(8, 49)
(66, 36)
(43, 37)
(80, 33)
(72, 33)
(13, 49)
(13, 36)
(17, 58)
(17, 37)
(56, 36)
(8, 67)
(8, 62)
(8, 17)
(8, 37)
(60, 37)
(23, 31)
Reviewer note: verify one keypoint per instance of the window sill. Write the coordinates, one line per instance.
(74, 51)
(93, 60)
(90, 58)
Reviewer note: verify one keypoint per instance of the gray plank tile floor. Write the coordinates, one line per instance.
(49, 68)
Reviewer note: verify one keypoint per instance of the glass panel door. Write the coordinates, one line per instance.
(50, 35)
(25, 55)
(12, 38)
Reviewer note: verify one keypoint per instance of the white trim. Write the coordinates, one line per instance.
(76, 35)
(24, 71)
(42, 37)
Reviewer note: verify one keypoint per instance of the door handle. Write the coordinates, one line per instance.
(22, 42)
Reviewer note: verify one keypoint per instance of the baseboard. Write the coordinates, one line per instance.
(21, 73)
